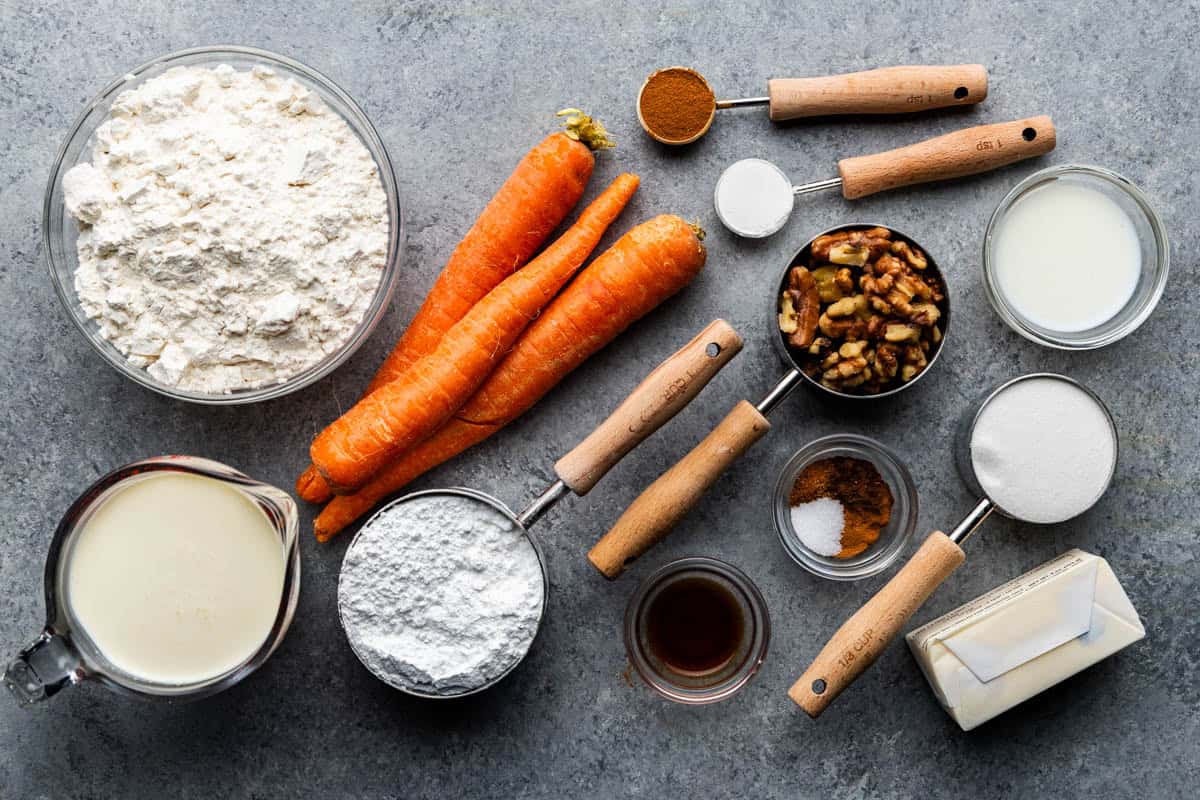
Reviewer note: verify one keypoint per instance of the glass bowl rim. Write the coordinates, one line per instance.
(1161, 269)
(876, 452)
(359, 124)
(759, 644)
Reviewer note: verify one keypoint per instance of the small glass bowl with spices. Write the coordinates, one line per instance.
(845, 507)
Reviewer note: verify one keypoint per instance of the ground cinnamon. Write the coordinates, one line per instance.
(676, 104)
(858, 486)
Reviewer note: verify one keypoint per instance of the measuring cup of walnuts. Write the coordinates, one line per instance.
(863, 311)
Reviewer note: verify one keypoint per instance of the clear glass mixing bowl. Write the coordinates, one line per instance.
(59, 230)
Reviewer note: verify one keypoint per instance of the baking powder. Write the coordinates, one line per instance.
(753, 198)
(440, 594)
(233, 229)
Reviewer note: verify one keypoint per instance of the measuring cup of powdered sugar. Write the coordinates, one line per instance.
(1041, 448)
(442, 592)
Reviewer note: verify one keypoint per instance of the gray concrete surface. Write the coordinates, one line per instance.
(458, 91)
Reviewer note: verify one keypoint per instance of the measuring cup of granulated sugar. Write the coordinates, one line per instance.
(442, 592)
(1042, 449)
(677, 106)
(754, 198)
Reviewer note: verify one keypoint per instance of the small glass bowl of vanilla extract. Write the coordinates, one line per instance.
(697, 630)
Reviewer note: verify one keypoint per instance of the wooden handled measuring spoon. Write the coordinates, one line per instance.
(754, 198)
(686, 97)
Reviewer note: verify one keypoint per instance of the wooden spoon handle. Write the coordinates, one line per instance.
(891, 90)
(864, 636)
(660, 396)
(664, 502)
(965, 152)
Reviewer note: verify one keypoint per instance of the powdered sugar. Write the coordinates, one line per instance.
(440, 594)
(233, 229)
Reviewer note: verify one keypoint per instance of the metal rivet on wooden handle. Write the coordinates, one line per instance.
(664, 502)
(890, 90)
(660, 396)
(954, 155)
(865, 635)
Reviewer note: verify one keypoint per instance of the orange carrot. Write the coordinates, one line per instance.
(645, 267)
(537, 196)
(402, 413)
(457, 436)
(312, 487)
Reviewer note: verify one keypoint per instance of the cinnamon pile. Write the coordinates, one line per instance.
(676, 104)
(858, 486)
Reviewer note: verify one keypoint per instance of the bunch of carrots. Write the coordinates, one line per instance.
(497, 331)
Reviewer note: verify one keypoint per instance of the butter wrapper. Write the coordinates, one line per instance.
(1021, 638)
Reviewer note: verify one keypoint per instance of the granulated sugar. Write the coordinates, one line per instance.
(1043, 450)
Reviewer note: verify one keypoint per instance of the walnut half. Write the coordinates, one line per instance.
(800, 308)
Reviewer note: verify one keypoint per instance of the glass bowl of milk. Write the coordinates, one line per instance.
(1075, 257)
(171, 578)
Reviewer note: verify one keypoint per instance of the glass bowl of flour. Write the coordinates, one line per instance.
(223, 226)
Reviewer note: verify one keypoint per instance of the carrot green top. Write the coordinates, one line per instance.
(582, 128)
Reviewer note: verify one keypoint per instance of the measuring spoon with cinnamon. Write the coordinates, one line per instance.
(676, 105)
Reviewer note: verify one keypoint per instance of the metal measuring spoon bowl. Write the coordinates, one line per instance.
(753, 198)
(700, 113)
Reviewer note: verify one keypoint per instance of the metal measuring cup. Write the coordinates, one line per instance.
(662, 394)
(864, 636)
(665, 502)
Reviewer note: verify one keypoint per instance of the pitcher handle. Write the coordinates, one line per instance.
(39, 671)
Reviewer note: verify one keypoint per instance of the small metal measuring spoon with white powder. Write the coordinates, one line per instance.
(754, 198)
(1042, 449)
(442, 592)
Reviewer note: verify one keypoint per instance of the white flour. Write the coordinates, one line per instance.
(233, 229)
(440, 594)
(1043, 450)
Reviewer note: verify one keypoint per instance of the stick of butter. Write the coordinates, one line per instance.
(1021, 638)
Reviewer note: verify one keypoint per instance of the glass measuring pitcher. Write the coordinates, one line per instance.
(64, 654)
